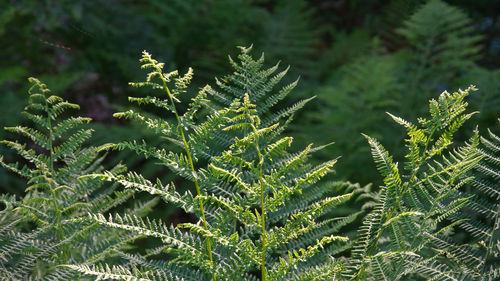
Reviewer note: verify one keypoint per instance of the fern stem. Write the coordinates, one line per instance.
(195, 177)
(60, 232)
(263, 226)
(263, 222)
(262, 206)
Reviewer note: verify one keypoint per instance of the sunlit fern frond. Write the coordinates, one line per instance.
(48, 229)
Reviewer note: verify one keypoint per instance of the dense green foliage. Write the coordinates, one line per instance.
(260, 211)
(437, 49)
(224, 182)
(44, 228)
(361, 58)
(249, 214)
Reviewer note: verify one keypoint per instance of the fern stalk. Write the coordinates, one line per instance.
(60, 232)
(418, 75)
(263, 213)
(262, 200)
(191, 165)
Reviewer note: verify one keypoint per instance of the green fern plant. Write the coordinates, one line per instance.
(437, 48)
(258, 210)
(442, 46)
(481, 215)
(408, 233)
(368, 86)
(47, 227)
(252, 223)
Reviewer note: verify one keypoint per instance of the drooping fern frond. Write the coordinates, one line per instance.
(48, 229)
(407, 235)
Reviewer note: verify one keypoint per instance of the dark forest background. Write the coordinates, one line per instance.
(360, 58)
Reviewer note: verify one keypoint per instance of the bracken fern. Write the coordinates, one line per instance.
(48, 227)
(259, 210)
(250, 215)
(481, 217)
(407, 235)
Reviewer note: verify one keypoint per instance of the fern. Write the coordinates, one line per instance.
(46, 228)
(290, 34)
(431, 46)
(259, 209)
(480, 219)
(251, 216)
(442, 47)
(408, 231)
(368, 86)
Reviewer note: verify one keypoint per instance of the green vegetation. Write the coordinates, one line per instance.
(259, 208)
(48, 226)
(263, 173)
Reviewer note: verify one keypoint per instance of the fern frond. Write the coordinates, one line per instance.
(115, 272)
(417, 211)
(136, 181)
(248, 185)
(51, 230)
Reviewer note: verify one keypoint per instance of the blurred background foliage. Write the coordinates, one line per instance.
(360, 58)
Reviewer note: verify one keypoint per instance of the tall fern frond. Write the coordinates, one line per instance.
(418, 205)
(251, 216)
(481, 218)
(48, 228)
